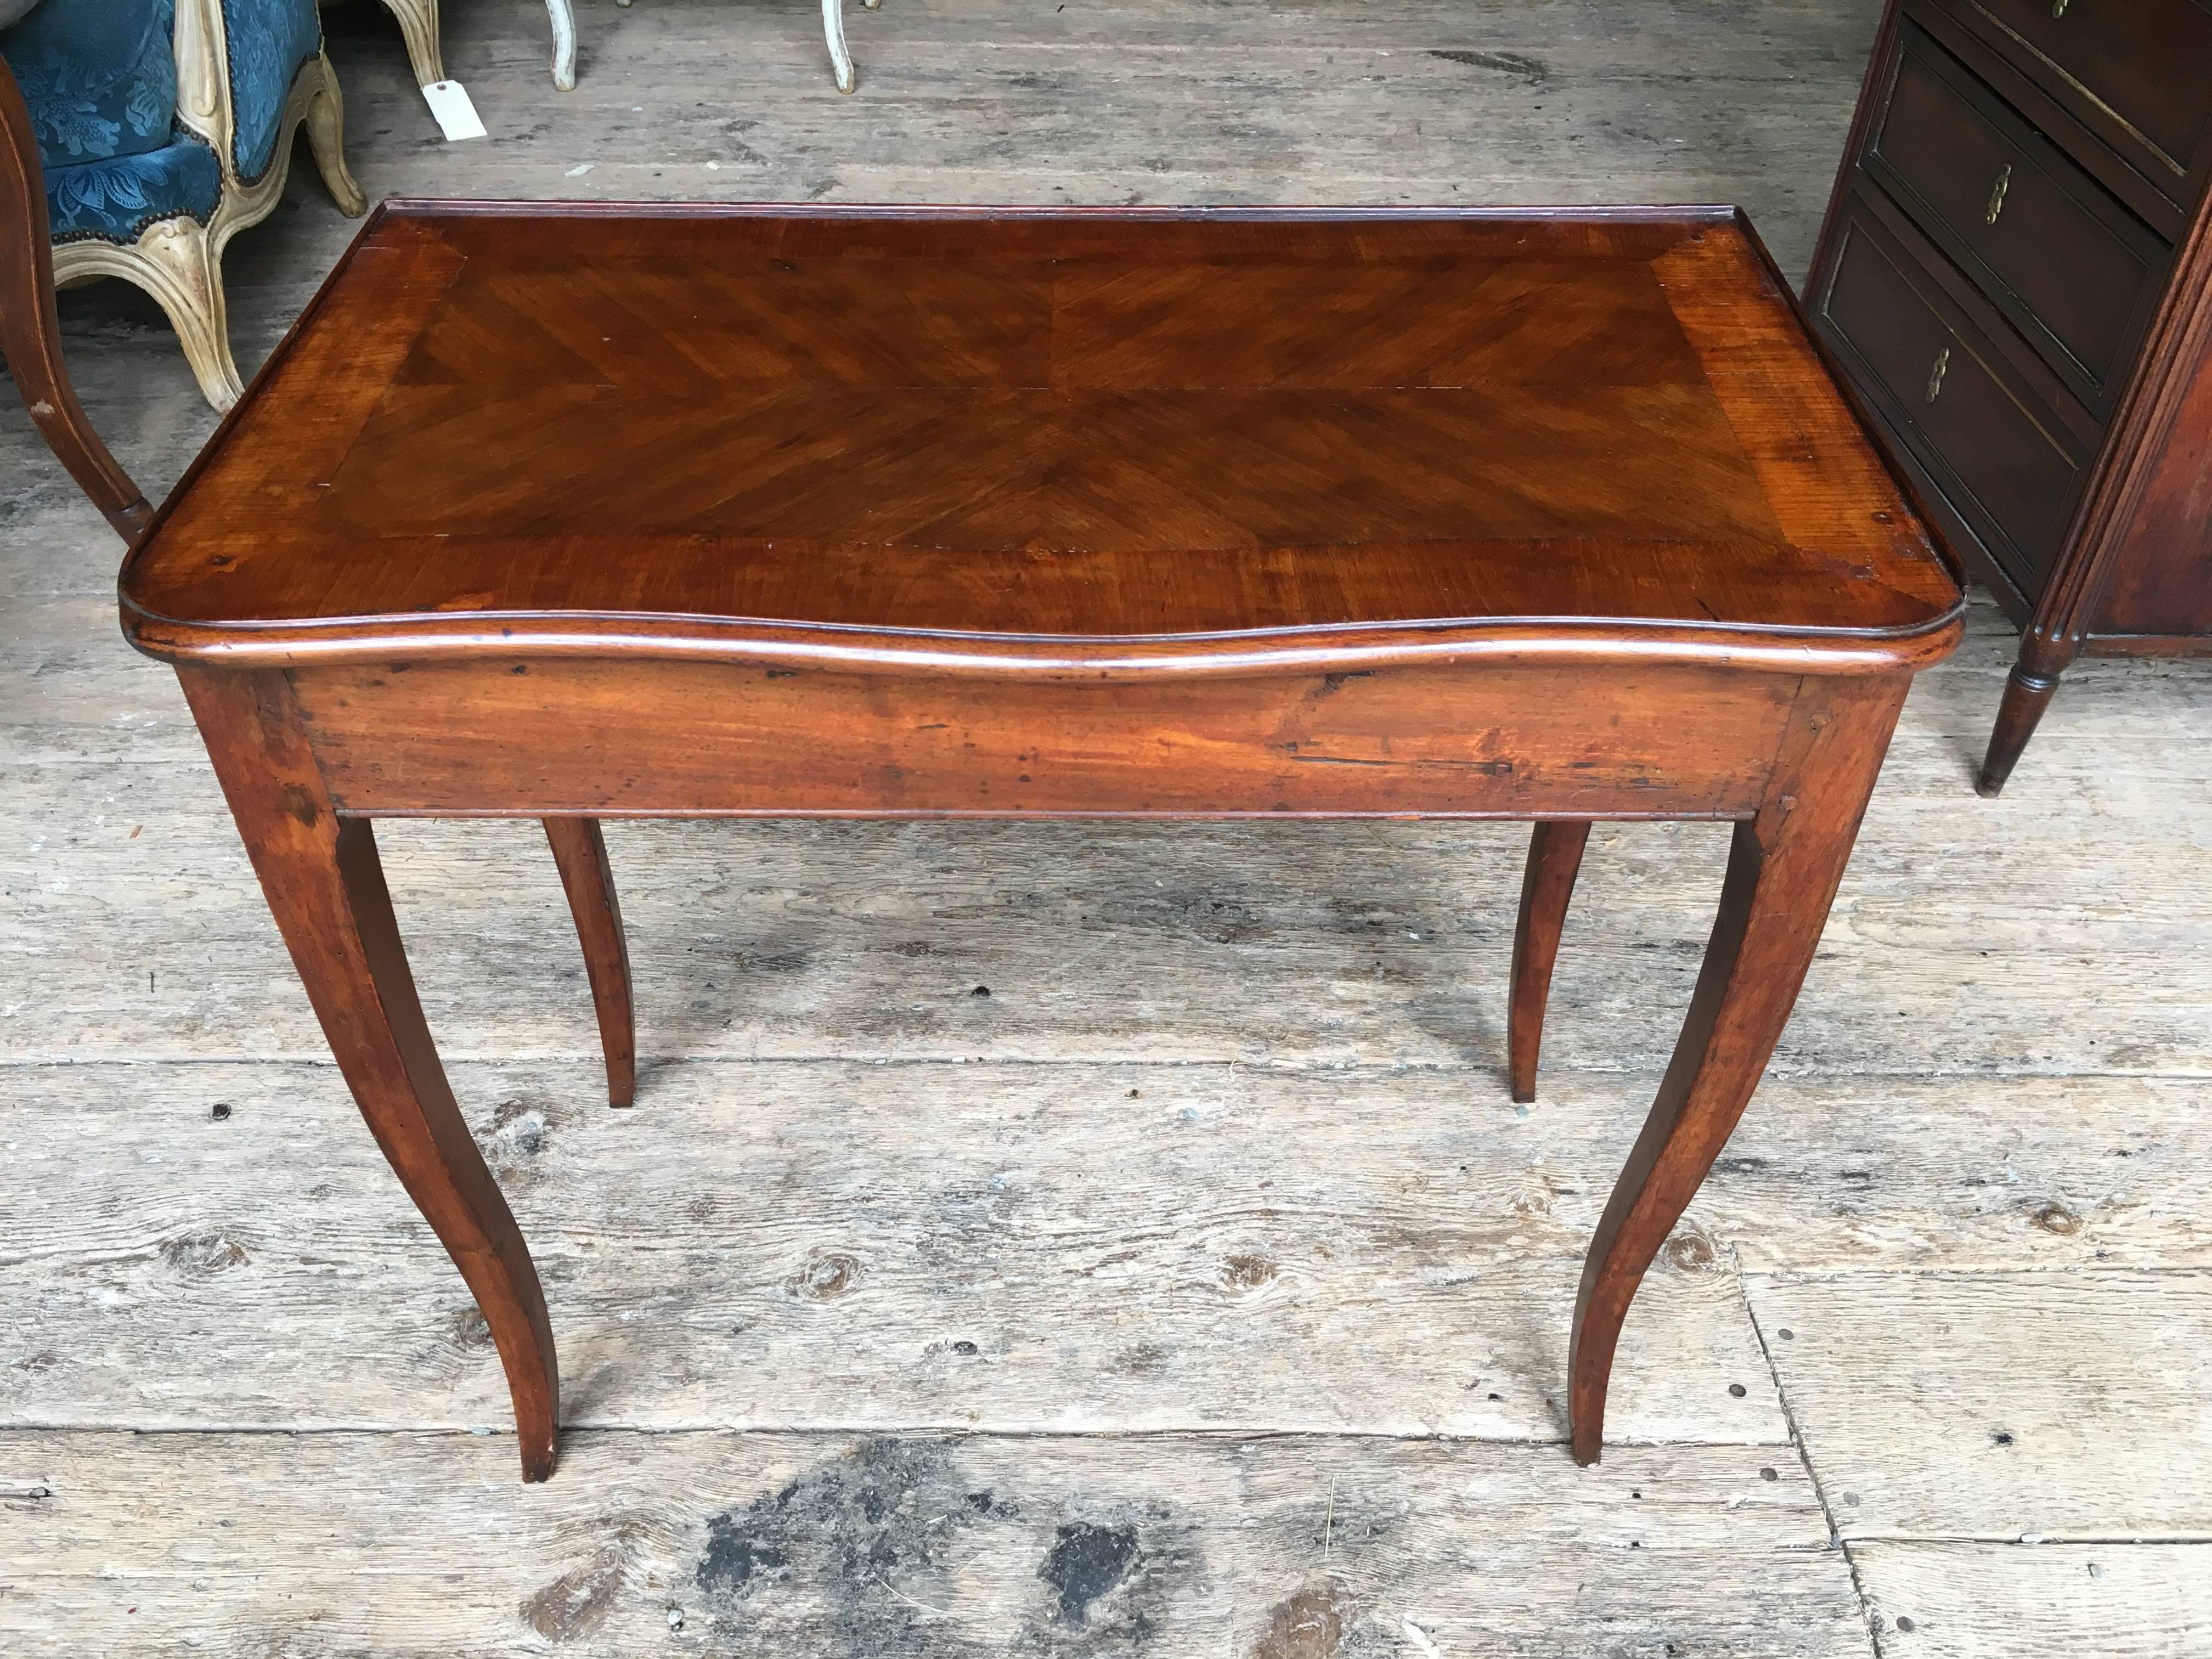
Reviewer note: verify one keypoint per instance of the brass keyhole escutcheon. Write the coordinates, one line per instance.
(1997, 194)
(1935, 374)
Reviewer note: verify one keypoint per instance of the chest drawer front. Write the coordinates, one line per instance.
(2145, 64)
(2079, 276)
(2008, 472)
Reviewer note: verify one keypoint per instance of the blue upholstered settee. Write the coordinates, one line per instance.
(164, 127)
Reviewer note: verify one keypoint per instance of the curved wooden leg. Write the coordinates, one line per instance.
(564, 43)
(2026, 696)
(30, 330)
(418, 26)
(177, 263)
(580, 851)
(326, 125)
(326, 889)
(1783, 870)
(1555, 857)
(833, 26)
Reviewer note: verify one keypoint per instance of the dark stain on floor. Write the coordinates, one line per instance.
(854, 1557)
(893, 1551)
(1086, 1561)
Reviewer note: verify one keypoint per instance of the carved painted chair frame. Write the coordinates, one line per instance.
(418, 26)
(179, 260)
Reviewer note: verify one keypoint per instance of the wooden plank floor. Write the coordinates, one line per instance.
(1197, 1290)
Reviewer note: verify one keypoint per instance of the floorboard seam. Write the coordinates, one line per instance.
(1380, 1068)
(847, 1432)
(1805, 1460)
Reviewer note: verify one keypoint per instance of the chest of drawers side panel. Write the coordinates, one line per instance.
(2158, 590)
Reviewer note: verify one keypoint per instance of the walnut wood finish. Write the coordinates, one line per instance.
(30, 333)
(1555, 858)
(326, 889)
(580, 852)
(2067, 452)
(567, 512)
(1784, 868)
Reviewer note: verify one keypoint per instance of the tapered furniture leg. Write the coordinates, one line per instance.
(1555, 855)
(580, 851)
(1783, 870)
(326, 888)
(2026, 696)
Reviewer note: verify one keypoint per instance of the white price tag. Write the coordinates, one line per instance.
(456, 116)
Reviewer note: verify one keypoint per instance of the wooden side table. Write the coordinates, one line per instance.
(573, 512)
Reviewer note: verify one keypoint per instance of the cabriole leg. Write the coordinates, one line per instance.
(1784, 868)
(1555, 856)
(580, 851)
(326, 889)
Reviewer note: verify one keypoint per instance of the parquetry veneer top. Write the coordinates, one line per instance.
(977, 426)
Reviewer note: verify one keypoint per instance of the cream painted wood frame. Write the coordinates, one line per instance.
(418, 26)
(179, 261)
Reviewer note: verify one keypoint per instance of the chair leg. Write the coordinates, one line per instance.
(832, 25)
(326, 125)
(1555, 857)
(564, 43)
(418, 26)
(580, 852)
(177, 264)
(30, 330)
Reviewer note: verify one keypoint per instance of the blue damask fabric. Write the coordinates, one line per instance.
(100, 75)
(100, 79)
(269, 41)
(117, 198)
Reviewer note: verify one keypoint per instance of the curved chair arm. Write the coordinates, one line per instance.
(30, 333)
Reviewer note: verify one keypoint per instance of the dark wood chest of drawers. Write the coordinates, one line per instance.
(2015, 275)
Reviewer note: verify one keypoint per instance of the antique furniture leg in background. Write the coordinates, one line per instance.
(418, 26)
(2026, 694)
(580, 851)
(30, 331)
(1784, 868)
(1555, 856)
(832, 25)
(325, 887)
(564, 43)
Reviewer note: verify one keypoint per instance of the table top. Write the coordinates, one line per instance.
(1042, 436)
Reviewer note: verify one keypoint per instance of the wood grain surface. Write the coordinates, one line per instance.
(2027, 971)
(859, 1546)
(1072, 425)
(1946, 1599)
